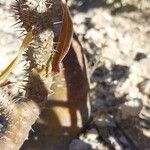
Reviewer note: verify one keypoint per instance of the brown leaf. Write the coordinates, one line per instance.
(64, 40)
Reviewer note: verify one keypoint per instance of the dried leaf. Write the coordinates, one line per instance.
(64, 40)
(9, 68)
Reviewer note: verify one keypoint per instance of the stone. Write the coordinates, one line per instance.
(141, 68)
(92, 134)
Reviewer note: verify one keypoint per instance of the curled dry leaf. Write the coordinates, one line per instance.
(64, 40)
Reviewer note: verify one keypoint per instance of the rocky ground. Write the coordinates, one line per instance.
(115, 38)
(116, 41)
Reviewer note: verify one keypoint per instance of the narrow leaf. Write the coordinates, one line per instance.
(24, 44)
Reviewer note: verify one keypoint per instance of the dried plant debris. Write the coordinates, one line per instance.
(64, 40)
(38, 16)
(39, 20)
(9, 68)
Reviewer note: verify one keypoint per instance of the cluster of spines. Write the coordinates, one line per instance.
(30, 19)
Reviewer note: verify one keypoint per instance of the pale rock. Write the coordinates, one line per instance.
(142, 68)
(79, 19)
(96, 37)
(129, 86)
(114, 142)
(92, 135)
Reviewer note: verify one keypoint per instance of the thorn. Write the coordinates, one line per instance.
(20, 36)
(17, 13)
(22, 26)
(16, 1)
(18, 22)
(21, 32)
(15, 7)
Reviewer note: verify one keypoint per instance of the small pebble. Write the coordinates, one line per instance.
(141, 68)
(139, 56)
